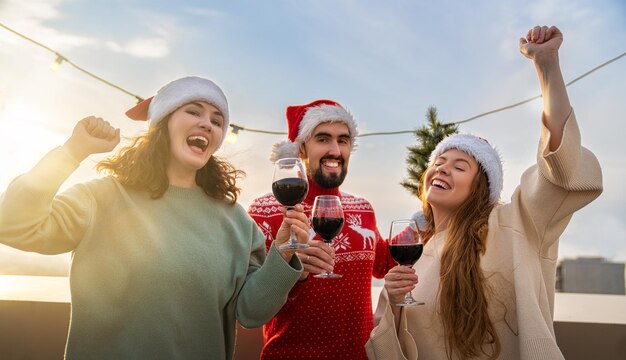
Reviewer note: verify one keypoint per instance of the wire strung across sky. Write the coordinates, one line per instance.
(236, 128)
(60, 58)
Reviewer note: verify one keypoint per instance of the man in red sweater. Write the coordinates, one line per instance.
(325, 318)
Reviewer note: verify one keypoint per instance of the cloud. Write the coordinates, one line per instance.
(29, 17)
(36, 9)
(151, 37)
(142, 47)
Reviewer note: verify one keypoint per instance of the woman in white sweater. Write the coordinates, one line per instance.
(487, 274)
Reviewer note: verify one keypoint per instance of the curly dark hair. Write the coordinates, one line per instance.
(143, 165)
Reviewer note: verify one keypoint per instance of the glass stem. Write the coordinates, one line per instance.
(408, 297)
(292, 236)
(328, 244)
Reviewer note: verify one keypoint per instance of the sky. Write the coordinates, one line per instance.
(386, 62)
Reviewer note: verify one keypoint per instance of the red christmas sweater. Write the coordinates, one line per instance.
(328, 318)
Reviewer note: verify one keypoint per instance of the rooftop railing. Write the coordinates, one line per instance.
(35, 310)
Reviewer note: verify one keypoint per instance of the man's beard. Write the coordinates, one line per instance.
(329, 181)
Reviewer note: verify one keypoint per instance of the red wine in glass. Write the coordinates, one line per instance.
(406, 255)
(327, 227)
(290, 191)
(406, 247)
(290, 187)
(327, 222)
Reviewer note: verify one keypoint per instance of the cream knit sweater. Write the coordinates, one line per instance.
(520, 262)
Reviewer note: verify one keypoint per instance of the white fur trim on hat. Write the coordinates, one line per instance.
(486, 155)
(183, 91)
(325, 113)
(420, 220)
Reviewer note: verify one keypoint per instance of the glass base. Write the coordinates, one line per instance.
(328, 276)
(411, 303)
(293, 246)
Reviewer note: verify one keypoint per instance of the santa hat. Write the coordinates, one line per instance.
(303, 119)
(178, 93)
(486, 155)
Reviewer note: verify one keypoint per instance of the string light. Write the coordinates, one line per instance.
(460, 121)
(232, 136)
(60, 59)
(57, 63)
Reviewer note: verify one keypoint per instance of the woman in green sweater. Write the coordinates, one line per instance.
(487, 274)
(164, 259)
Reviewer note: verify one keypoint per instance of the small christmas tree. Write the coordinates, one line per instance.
(428, 136)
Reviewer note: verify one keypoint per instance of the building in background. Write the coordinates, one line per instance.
(590, 275)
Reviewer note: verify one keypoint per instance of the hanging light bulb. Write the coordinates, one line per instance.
(57, 63)
(232, 136)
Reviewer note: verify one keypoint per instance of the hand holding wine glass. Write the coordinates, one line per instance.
(405, 246)
(327, 222)
(290, 187)
(296, 222)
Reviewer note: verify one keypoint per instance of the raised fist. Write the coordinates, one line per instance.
(541, 42)
(92, 135)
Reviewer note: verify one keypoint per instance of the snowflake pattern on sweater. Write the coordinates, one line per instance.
(328, 318)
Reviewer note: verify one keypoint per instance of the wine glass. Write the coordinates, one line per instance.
(290, 187)
(327, 221)
(406, 246)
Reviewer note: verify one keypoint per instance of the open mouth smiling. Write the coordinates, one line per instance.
(198, 141)
(331, 163)
(440, 184)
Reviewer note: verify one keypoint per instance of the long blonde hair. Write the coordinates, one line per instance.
(143, 165)
(462, 295)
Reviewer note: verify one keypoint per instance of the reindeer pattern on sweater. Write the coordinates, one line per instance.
(357, 238)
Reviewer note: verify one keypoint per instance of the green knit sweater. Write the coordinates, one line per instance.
(150, 279)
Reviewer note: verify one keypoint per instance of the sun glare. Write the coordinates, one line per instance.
(7, 286)
(25, 135)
